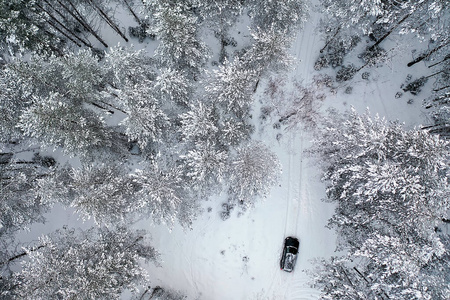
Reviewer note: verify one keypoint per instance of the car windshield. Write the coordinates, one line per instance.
(292, 250)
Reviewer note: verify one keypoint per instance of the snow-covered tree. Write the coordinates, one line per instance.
(19, 205)
(27, 27)
(231, 86)
(232, 131)
(172, 86)
(391, 190)
(199, 123)
(13, 100)
(102, 191)
(281, 15)
(160, 192)
(146, 121)
(269, 51)
(93, 264)
(206, 166)
(128, 66)
(54, 122)
(254, 169)
(176, 27)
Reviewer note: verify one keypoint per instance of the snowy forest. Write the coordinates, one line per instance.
(137, 115)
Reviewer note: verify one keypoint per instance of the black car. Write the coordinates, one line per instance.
(290, 251)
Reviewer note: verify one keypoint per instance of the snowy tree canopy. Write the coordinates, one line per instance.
(269, 51)
(254, 169)
(282, 15)
(231, 86)
(160, 193)
(54, 122)
(146, 120)
(93, 264)
(391, 190)
(176, 26)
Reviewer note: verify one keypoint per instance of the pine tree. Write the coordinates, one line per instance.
(54, 122)
(206, 166)
(92, 264)
(268, 53)
(19, 204)
(253, 171)
(283, 16)
(199, 123)
(160, 193)
(391, 191)
(102, 191)
(146, 121)
(231, 86)
(176, 27)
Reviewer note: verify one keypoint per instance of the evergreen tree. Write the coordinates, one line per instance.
(283, 16)
(253, 171)
(54, 122)
(176, 26)
(160, 193)
(146, 121)
(391, 191)
(206, 166)
(102, 191)
(92, 264)
(269, 52)
(231, 87)
(19, 205)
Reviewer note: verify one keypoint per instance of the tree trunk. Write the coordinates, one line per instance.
(439, 62)
(132, 12)
(64, 34)
(389, 32)
(20, 255)
(64, 27)
(330, 40)
(81, 20)
(437, 73)
(428, 54)
(108, 20)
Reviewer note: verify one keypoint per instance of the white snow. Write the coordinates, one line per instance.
(239, 258)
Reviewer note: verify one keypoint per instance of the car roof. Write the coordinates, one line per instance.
(291, 241)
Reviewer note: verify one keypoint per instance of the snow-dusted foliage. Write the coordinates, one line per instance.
(128, 66)
(54, 122)
(161, 193)
(199, 123)
(103, 191)
(75, 76)
(146, 120)
(25, 27)
(93, 264)
(234, 131)
(19, 205)
(269, 51)
(254, 169)
(176, 26)
(391, 190)
(172, 86)
(13, 100)
(283, 15)
(206, 165)
(231, 86)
